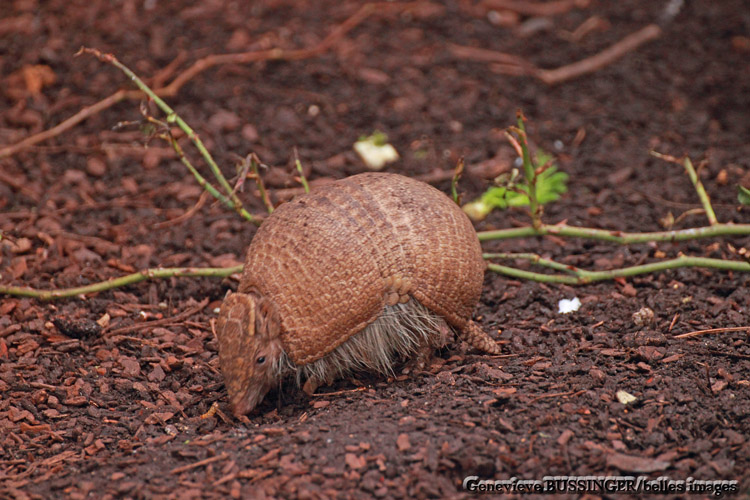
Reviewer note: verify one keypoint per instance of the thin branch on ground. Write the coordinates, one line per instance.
(535, 9)
(509, 61)
(185, 216)
(147, 274)
(712, 330)
(302, 179)
(177, 318)
(600, 60)
(203, 183)
(535, 209)
(71, 122)
(620, 237)
(254, 163)
(200, 463)
(509, 64)
(457, 173)
(687, 213)
(577, 276)
(697, 184)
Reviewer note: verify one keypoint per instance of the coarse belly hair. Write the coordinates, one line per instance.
(400, 332)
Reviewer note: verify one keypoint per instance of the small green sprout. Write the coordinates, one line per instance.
(551, 183)
(743, 195)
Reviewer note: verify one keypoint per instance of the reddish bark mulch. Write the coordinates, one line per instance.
(97, 400)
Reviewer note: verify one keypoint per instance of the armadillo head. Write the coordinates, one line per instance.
(250, 349)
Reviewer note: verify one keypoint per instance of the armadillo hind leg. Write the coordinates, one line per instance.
(425, 350)
(477, 338)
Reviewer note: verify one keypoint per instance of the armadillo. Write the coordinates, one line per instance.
(358, 275)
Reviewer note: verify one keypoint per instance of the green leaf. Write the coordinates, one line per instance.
(550, 185)
(743, 195)
(377, 138)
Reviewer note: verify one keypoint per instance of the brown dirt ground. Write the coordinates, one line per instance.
(118, 414)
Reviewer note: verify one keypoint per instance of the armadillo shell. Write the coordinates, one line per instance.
(332, 259)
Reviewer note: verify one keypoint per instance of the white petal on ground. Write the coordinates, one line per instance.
(625, 397)
(375, 156)
(566, 306)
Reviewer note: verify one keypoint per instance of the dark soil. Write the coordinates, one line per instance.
(116, 410)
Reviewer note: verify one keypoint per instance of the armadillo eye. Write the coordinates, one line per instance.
(260, 360)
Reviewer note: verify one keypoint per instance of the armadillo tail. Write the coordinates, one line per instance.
(477, 338)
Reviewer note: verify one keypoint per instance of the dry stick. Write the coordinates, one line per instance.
(209, 62)
(283, 54)
(200, 463)
(600, 60)
(207, 186)
(177, 318)
(186, 215)
(147, 274)
(711, 330)
(510, 65)
(578, 276)
(687, 213)
(555, 395)
(338, 393)
(254, 164)
(536, 9)
(71, 122)
(492, 56)
(159, 79)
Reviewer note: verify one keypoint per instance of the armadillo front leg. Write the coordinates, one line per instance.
(477, 338)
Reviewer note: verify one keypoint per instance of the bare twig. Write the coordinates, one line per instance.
(491, 56)
(711, 330)
(177, 318)
(200, 463)
(513, 65)
(600, 60)
(286, 194)
(338, 393)
(71, 122)
(167, 71)
(202, 182)
(185, 216)
(536, 9)
(254, 164)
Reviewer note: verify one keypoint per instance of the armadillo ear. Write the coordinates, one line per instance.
(236, 318)
(267, 321)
